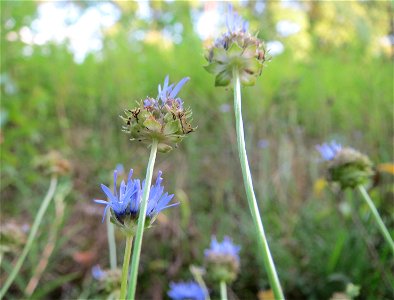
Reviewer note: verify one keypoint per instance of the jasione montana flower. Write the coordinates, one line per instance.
(222, 260)
(125, 204)
(163, 118)
(236, 48)
(186, 291)
(345, 165)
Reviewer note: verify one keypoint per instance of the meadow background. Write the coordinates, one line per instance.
(331, 77)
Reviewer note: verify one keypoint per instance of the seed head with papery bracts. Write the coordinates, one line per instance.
(222, 260)
(163, 118)
(238, 49)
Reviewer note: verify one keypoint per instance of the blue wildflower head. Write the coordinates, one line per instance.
(236, 49)
(329, 150)
(125, 203)
(222, 260)
(163, 118)
(186, 291)
(345, 165)
(109, 280)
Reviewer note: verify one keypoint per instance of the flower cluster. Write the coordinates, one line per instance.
(236, 49)
(125, 204)
(328, 151)
(222, 260)
(186, 290)
(346, 166)
(109, 280)
(164, 118)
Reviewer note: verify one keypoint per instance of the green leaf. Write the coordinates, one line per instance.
(215, 68)
(152, 124)
(234, 50)
(223, 78)
(164, 148)
(220, 55)
(171, 127)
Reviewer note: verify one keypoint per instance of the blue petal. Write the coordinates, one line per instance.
(178, 87)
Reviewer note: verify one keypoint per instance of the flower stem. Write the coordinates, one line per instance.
(32, 235)
(111, 242)
(125, 269)
(377, 217)
(247, 177)
(141, 222)
(223, 291)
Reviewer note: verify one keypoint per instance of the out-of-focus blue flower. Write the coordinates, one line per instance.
(186, 290)
(225, 248)
(329, 150)
(98, 273)
(126, 202)
(234, 22)
(263, 143)
(167, 94)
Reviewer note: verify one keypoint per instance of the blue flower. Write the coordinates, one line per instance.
(234, 22)
(186, 290)
(127, 201)
(225, 248)
(329, 150)
(98, 273)
(167, 93)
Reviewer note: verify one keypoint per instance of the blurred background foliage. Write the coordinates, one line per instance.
(331, 76)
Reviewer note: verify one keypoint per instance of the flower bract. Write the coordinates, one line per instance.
(238, 49)
(163, 118)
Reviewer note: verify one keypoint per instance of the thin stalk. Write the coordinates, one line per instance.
(198, 277)
(223, 291)
(32, 235)
(125, 269)
(247, 177)
(377, 217)
(111, 242)
(141, 222)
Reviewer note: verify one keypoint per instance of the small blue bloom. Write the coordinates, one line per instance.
(225, 248)
(234, 22)
(127, 201)
(328, 151)
(98, 273)
(167, 93)
(263, 143)
(186, 290)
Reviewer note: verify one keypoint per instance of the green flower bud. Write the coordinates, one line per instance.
(350, 168)
(238, 49)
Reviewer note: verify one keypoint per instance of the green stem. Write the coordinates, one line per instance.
(223, 291)
(125, 269)
(111, 242)
(247, 177)
(141, 222)
(377, 217)
(32, 235)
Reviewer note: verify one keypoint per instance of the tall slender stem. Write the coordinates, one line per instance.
(125, 269)
(377, 217)
(32, 235)
(141, 222)
(247, 177)
(223, 291)
(111, 242)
